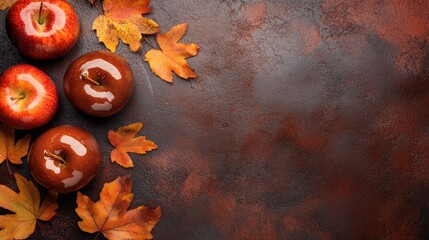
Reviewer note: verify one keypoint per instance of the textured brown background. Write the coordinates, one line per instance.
(309, 120)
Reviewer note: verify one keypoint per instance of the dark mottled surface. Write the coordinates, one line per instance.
(309, 120)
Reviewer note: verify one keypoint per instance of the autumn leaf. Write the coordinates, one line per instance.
(125, 142)
(172, 55)
(6, 3)
(109, 215)
(8, 149)
(122, 19)
(26, 206)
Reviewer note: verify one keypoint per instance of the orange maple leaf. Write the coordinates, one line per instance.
(6, 3)
(27, 209)
(109, 215)
(122, 19)
(124, 142)
(8, 149)
(172, 55)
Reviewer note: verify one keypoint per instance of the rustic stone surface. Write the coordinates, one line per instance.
(308, 120)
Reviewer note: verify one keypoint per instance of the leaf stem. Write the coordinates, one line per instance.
(56, 157)
(98, 7)
(42, 229)
(86, 77)
(98, 234)
(8, 168)
(150, 44)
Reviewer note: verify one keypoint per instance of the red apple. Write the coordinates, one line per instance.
(28, 97)
(99, 83)
(44, 29)
(64, 158)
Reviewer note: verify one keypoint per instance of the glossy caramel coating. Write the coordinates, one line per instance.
(79, 150)
(99, 83)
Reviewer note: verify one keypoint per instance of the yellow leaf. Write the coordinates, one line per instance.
(123, 20)
(26, 206)
(8, 149)
(110, 214)
(172, 55)
(124, 142)
(5, 4)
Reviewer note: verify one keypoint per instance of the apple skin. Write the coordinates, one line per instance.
(110, 71)
(39, 94)
(57, 34)
(76, 146)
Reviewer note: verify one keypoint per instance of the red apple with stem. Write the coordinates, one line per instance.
(44, 29)
(64, 158)
(28, 97)
(99, 83)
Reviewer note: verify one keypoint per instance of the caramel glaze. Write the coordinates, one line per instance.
(99, 83)
(64, 158)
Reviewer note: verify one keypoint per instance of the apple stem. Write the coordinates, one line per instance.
(86, 77)
(17, 98)
(40, 13)
(56, 157)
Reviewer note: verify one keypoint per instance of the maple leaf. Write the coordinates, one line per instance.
(109, 215)
(124, 142)
(122, 19)
(6, 3)
(26, 206)
(172, 55)
(8, 149)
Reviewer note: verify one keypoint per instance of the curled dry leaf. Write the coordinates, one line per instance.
(8, 149)
(110, 217)
(125, 142)
(4, 4)
(26, 206)
(172, 55)
(122, 19)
